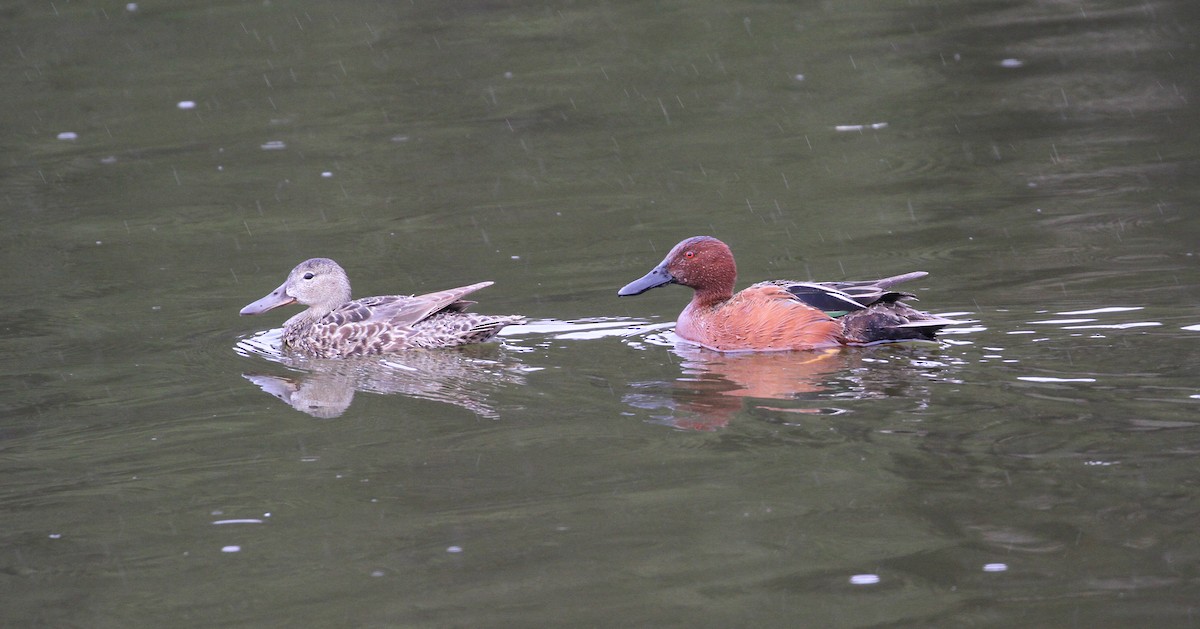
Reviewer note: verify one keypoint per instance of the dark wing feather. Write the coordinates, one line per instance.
(845, 297)
(822, 297)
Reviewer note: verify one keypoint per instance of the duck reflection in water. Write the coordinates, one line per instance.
(325, 388)
(715, 387)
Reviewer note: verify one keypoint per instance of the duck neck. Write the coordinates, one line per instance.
(305, 318)
(710, 297)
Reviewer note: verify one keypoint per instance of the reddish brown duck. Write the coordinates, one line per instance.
(782, 314)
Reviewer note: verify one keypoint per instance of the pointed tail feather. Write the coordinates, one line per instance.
(888, 282)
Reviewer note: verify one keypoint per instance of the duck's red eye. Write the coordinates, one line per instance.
(689, 254)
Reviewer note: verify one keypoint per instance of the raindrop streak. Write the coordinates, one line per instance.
(864, 579)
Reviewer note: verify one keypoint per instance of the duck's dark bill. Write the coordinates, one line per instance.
(653, 279)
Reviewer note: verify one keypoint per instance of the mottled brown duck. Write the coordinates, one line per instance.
(334, 326)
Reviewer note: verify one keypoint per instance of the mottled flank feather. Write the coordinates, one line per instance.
(335, 327)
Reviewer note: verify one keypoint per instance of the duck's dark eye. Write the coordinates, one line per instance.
(308, 276)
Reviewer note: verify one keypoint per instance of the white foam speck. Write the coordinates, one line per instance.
(1044, 379)
(1102, 310)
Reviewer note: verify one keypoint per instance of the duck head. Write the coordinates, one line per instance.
(318, 283)
(702, 263)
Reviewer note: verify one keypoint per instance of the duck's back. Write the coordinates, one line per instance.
(869, 311)
(390, 323)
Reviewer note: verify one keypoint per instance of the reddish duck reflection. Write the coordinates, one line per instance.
(714, 386)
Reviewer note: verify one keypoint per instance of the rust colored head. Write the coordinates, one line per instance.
(702, 263)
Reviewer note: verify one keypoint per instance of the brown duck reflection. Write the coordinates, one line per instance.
(326, 388)
(714, 386)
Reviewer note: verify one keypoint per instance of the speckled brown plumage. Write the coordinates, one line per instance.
(333, 326)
